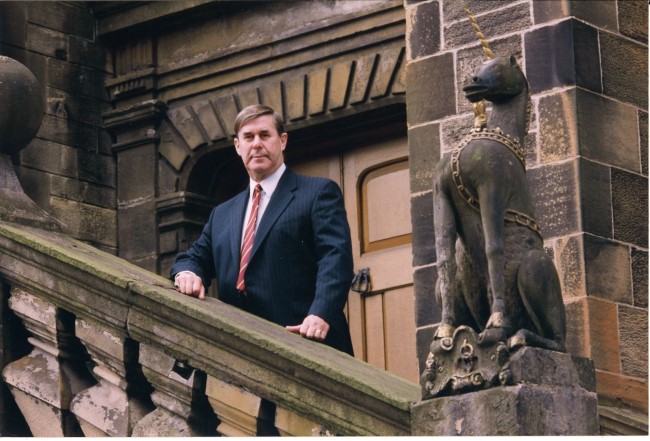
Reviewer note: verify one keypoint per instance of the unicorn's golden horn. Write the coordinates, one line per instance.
(481, 37)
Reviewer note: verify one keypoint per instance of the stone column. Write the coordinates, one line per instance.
(111, 407)
(44, 381)
(179, 394)
(136, 131)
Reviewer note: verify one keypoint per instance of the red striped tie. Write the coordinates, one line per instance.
(249, 235)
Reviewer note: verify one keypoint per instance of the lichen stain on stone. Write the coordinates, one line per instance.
(459, 425)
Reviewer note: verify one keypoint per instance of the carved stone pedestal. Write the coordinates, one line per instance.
(551, 394)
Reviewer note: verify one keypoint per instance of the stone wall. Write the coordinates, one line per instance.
(68, 168)
(587, 154)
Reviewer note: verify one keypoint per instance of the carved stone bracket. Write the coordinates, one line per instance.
(460, 363)
(44, 381)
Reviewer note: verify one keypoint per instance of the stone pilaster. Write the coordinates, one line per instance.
(44, 382)
(136, 134)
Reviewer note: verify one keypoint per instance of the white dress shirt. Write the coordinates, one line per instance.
(268, 187)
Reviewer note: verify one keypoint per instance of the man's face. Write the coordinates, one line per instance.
(260, 147)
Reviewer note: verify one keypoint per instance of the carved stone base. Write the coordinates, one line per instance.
(552, 394)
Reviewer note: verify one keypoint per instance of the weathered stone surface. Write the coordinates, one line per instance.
(558, 127)
(554, 197)
(452, 11)
(44, 381)
(46, 41)
(430, 91)
(239, 411)
(630, 207)
(136, 169)
(388, 65)
(14, 31)
(137, 230)
(340, 77)
(96, 168)
(424, 154)
(454, 130)
(623, 389)
(422, 233)
(65, 105)
(600, 13)
(643, 140)
(69, 132)
(317, 82)
(563, 54)
(513, 19)
(76, 79)
(625, 69)
(80, 191)
(89, 53)
(592, 326)
(86, 222)
(360, 88)
(633, 19)
(595, 198)
(178, 394)
(68, 17)
(208, 120)
(187, 125)
(523, 410)
(640, 277)
(291, 424)
(427, 311)
(570, 266)
(607, 268)
(423, 30)
(604, 123)
(633, 330)
(424, 337)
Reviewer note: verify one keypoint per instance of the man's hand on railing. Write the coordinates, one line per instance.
(313, 328)
(186, 282)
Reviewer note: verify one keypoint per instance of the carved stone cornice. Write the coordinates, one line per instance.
(135, 125)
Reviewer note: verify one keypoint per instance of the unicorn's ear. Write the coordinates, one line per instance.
(513, 61)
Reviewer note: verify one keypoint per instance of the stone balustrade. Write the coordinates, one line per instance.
(116, 351)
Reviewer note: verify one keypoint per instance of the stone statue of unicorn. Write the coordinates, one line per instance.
(494, 277)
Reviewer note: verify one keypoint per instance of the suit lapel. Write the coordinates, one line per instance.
(282, 196)
(237, 224)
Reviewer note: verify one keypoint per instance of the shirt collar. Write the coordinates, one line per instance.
(269, 184)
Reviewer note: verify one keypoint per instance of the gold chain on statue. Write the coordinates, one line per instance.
(512, 145)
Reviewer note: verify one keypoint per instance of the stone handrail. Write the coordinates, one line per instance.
(166, 364)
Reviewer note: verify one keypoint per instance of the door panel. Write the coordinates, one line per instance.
(375, 182)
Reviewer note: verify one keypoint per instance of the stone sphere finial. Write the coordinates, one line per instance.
(21, 106)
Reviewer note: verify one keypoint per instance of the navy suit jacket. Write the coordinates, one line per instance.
(301, 262)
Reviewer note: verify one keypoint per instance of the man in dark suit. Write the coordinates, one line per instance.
(282, 251)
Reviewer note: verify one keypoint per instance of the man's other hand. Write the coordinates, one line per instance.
(190, 284)
(313, 328)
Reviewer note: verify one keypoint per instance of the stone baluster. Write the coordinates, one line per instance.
(111, 407)
(179, 394)
(44, 381)
(240, 412)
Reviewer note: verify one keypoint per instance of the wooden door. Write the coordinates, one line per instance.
(375, 182)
